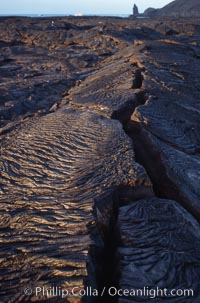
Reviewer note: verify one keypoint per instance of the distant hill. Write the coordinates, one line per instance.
(177, 8)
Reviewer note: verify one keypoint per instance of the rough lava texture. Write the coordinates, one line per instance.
(54, 171)
(99, 167)
(158, 251)
(167, 124)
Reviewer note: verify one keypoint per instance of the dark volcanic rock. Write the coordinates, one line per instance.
(64, 174)
(167, 125)
(39, 63)
(159, 250)
(149, 11)
(177, 174)
(111, 91)
(135, 11)
(177, 9)
(54, 171)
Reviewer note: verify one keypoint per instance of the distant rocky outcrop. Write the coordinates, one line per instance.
(149, 11)
(177, 8)
(135, 11)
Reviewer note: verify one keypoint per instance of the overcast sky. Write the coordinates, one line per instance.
(76, 6)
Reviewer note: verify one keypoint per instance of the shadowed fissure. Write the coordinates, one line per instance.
(163, 188)
(108, 261)
(86, 214)
(150, 159)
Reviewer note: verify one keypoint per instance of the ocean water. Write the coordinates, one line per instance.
(63, 15)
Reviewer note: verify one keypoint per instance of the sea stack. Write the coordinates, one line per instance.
(135, 10)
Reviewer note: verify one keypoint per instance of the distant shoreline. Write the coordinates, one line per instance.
(64, 15)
